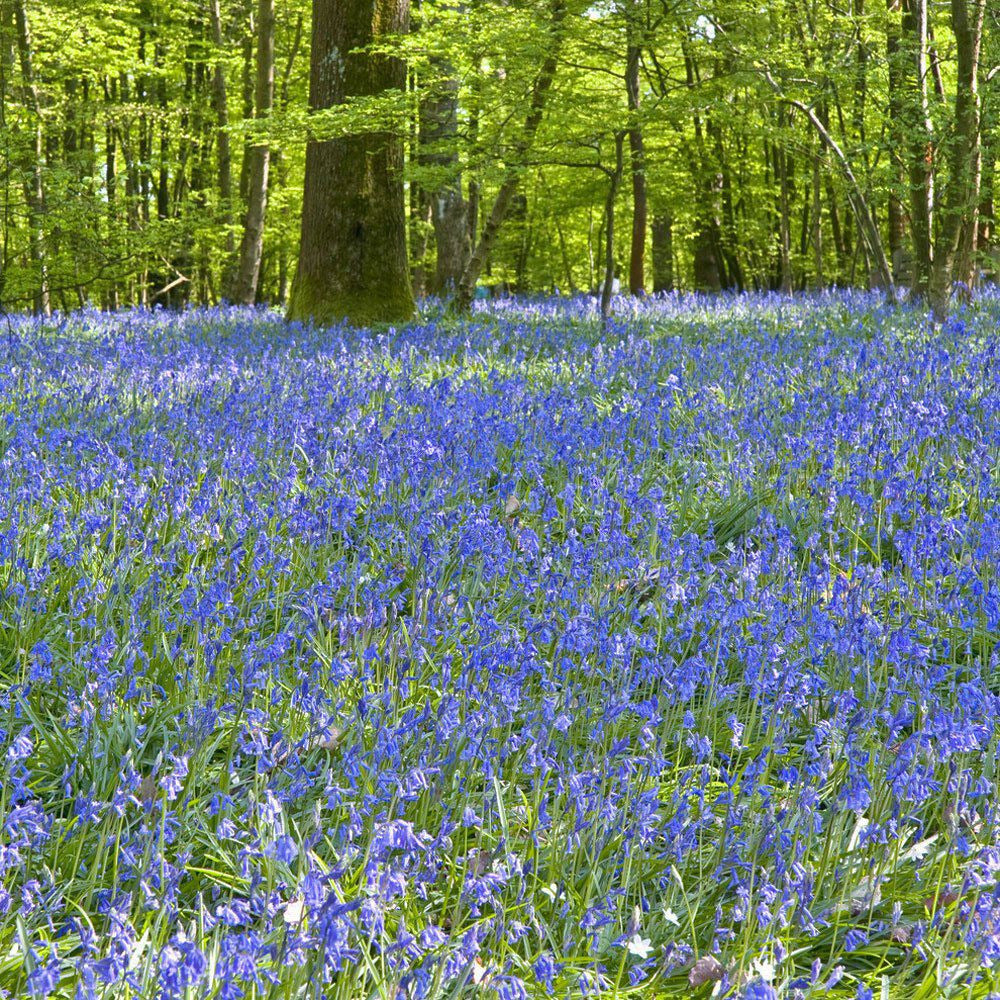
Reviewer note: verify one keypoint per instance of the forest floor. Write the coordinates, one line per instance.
(499, 658)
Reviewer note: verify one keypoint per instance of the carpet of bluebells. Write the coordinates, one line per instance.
(502, 658)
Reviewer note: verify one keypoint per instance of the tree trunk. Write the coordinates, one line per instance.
(111, 181)
(449, 211)
(637, 256)
(859, 204)
(248, 274)
(614, 181)
(896, 82)
(224, 157)
(819, 277)
(522, 224)
(921, 148)
(352, 259)
(960, 206)
(987, 205)
(280, 171)
(784, 218)
(663, 253)
(539, 92)
(247, 87)
(34, 184)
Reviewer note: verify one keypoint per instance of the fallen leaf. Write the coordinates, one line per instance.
(708, 969)
(945, 898)
(148, 791)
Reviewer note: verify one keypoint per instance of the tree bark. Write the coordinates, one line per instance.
(614, 181)
(252, 246)
(449, 211)
(896, 78)
(34, 184)
(959, 211)
(663, 253)
(783, 170)
(224, 157)
(921, 148)
(539, 92)
(819, 276)
(637, 256)
(247, 88)
(352, 258)
(859, 204)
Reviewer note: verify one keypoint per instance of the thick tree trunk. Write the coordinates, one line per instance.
(352, 259)
(959, 211)
(34, 184)
(663, 253)
(637, 257)
(252, 247)
(539, 93)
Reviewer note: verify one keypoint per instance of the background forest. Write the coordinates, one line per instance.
(154, 152)
(354, 649)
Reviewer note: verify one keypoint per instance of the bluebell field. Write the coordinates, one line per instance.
(500, 658)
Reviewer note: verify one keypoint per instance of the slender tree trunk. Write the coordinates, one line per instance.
(449, 211)
(784, 218)
(961, 196)
(709, 275)
(163, 184)
(858, 202)
(663, 253)
(921, 148)
(896, 78)
(614, 182)
(521, 223)
(987, 207)
(279, 175)
(34, 185)
(224, 157)
(252, 247)
(111, 182)
(637, 256)
(248, 77)
(7, 33)
(539, 92)
(352, 259)
(819, 276)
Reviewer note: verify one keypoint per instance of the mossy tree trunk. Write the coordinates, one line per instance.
(352, 258)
